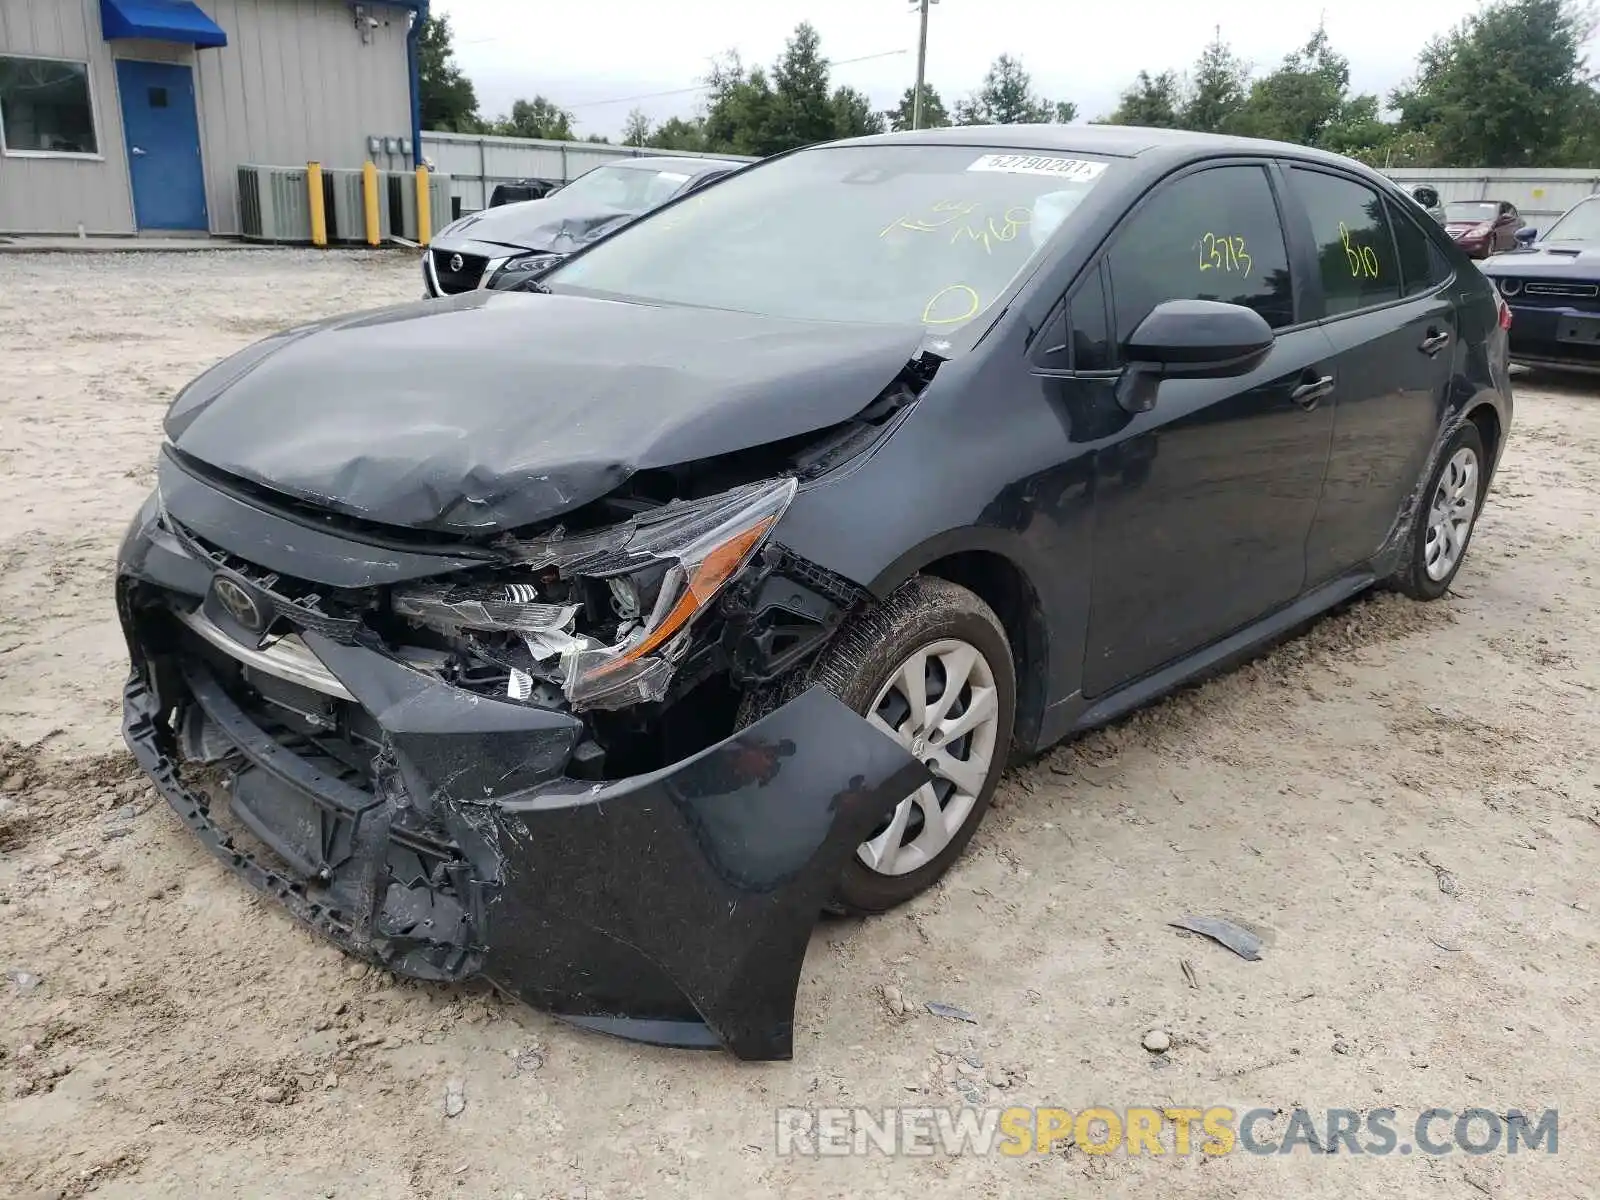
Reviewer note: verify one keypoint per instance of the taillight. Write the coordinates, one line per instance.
(1505, 311)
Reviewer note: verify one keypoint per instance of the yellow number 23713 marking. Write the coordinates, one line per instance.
(1222, 252)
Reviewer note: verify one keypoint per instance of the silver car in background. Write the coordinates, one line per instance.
(502, 247)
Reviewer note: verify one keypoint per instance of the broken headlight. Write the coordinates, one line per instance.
(657, 572)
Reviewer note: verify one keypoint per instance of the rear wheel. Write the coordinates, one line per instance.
(1447, 516)
(930, 667)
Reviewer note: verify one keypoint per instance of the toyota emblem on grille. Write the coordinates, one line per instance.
(457, 262)
(239, 603)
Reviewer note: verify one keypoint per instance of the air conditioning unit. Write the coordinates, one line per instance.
(273, 205)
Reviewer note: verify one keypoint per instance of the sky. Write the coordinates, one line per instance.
(601, 62)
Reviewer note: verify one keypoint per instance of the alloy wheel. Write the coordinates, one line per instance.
(940, 704)
(1455, 503)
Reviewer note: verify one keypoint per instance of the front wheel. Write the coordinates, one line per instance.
(930, 667)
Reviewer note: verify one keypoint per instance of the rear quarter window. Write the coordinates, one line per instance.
(1423, 266)
(1355, 251)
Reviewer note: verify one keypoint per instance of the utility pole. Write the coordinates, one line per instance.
(922, 64)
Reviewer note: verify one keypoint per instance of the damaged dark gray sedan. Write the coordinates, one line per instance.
(595, 637)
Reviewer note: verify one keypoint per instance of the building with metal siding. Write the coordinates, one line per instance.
(133, 116)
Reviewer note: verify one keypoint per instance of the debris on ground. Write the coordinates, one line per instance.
(23, 981)
(455, 1098)
(950, 1012)
(894, 1000)
(1157, 1041)
(1187, 968)
(1237, 938)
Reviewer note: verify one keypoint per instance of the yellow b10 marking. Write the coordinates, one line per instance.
(1362, 259)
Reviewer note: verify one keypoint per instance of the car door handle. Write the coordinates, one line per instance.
(138, 149)
(1436, 341)
(1310, 392)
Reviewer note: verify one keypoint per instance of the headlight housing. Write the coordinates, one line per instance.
(661, 571)
(523, 268)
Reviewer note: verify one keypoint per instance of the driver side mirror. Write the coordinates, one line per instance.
(1526, 234)
(1190, 339)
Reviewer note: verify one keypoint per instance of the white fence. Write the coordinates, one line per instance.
(475, 163)
(1540, 195)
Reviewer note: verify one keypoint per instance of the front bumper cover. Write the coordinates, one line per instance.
(673, 907)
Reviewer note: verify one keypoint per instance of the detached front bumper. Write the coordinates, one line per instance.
(673, 907)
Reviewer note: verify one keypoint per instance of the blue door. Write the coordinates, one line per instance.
(158, 118)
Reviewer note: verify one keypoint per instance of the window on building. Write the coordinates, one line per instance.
(45, 107)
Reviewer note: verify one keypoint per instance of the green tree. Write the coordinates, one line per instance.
(1007, 98)
(536, 118)
(1152, 101)
(934, 113)
(1301, 99)
(1504, 88)
(448, 100)
(802, 108)
(636, 129)
(853, 114)
(676, 133)
(1357, 130)
(739, 109)
(1217, 91)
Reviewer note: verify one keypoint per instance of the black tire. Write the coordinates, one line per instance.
(1412, 578)
(856, 665)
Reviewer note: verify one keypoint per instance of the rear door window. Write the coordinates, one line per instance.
(1212, 235)
(1423, 265)
(1355, 249)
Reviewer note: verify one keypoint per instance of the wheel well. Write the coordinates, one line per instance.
(998, 582)
(1488, 423)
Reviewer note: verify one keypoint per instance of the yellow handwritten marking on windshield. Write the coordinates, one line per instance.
(957, 215)
(1362, 259)
(945, 212)
(1224, 252)
(991, 231)
(972, 302)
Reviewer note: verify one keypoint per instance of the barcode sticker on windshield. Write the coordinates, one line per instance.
(1081, 170)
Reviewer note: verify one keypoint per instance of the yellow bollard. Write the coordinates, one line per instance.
(369, 196)
(319, 215)
(424, 210)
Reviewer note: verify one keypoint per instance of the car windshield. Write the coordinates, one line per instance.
(624, 189)
(875, 234)
(1471, 211)
(1581, 223)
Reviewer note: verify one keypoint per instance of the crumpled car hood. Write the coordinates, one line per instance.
(535, 225)
(493, 410)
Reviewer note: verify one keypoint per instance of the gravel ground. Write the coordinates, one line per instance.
(1405, 801)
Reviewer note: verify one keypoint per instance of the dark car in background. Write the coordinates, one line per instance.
(1427, 198)
(1553, 288)
(1483, 227)
(505, 245)
(593, 637)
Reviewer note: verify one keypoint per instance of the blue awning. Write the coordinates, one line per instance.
(160, 21)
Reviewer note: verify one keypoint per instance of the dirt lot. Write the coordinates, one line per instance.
(1406, 800)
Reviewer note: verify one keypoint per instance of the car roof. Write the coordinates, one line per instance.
(1116, 141)
(674, 162)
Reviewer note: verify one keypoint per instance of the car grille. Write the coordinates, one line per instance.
(1563, 289)
(1551, 293)
(453, 279)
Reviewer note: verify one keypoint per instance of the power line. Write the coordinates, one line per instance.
(705, 87)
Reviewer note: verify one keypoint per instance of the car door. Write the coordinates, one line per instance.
(1202, 504)
(1392, 323)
